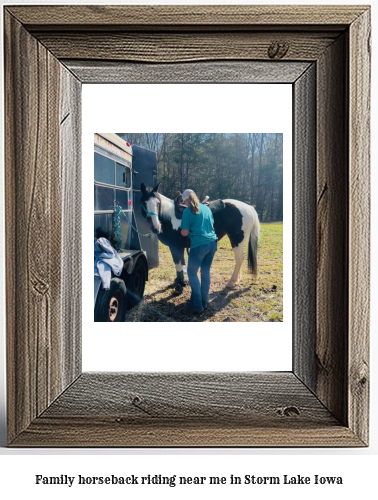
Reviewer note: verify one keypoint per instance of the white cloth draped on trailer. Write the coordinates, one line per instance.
(106, 260)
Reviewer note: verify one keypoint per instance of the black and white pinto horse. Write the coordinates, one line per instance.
(238, 220)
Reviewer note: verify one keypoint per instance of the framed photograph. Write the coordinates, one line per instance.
(323, 52)
(214, 163)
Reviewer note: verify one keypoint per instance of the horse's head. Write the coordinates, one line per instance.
(151, 206)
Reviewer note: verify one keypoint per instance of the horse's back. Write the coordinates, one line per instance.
(237, 221)
(245, 209)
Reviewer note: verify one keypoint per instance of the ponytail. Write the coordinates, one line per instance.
(193, 203)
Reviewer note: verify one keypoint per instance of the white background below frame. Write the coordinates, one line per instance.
(165, 346)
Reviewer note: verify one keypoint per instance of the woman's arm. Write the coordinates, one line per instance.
(185, 224)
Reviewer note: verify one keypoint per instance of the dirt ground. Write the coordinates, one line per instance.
(253, 299)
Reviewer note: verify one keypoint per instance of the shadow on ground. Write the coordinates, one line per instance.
(172, 307)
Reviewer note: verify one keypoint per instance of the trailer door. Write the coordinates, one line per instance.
(145, 170)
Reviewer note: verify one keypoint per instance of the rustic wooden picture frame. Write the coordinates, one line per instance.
(324, 51)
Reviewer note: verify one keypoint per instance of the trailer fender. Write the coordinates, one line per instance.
(136, 280)
(131, 263)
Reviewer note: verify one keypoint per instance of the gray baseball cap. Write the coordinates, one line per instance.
(186, 193)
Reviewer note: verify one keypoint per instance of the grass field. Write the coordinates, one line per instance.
(257, 298)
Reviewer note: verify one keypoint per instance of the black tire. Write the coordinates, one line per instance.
(135, 283)
(111, 303)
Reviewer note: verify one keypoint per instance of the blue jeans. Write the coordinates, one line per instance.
(200, 257)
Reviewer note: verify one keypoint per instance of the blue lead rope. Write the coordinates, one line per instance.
(116, 227)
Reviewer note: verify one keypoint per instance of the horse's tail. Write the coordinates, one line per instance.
(252, 245)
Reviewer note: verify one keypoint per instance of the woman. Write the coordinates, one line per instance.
(198, 223)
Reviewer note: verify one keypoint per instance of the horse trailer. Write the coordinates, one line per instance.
(125, 248)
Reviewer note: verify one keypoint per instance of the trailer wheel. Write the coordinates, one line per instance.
(136, 282)
(111, 303)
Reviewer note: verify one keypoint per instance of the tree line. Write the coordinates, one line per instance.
(246, 167)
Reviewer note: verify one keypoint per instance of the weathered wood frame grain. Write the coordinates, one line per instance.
(324, 52)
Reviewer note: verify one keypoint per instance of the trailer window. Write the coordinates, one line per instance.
(123, 198)
(103, 169)
(123, 176)
(103, 198)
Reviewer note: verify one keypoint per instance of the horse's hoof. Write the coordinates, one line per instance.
(230, 284)
(178, 290)
(180, 282)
